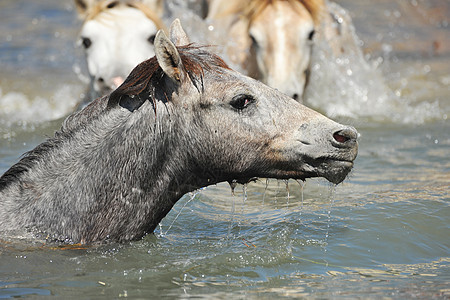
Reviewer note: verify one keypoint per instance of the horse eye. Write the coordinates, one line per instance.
(86, 42)
(112, 4)
(151, 39)
(242, 101)
(311, 34)
(254, 42)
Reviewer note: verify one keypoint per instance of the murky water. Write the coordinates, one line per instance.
(384, 232)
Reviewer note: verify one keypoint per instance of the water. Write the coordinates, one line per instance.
(384, 232)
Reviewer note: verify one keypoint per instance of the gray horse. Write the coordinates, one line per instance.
(180, 121)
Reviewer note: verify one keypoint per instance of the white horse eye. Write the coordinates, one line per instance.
(151, 39)
(86, 42)
(311, 34)
(254, 42)
(112, 4)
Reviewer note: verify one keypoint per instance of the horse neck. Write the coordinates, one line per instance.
(133, 153)
(114, 170)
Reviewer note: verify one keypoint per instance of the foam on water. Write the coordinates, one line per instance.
(17, 107)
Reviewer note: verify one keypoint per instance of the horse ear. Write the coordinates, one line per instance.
(84, 6)
(177, 35)
(168, 57)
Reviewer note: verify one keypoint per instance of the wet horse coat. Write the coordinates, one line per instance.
(182, 120)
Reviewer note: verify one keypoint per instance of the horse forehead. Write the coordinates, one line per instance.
(231, 82)
(284, 27)
(122, 18)
(287, 15)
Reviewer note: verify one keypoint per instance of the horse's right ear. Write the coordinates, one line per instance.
(177, 34)
(168, 57)
(84, 6)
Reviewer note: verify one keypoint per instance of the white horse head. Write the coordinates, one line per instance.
(116, 36)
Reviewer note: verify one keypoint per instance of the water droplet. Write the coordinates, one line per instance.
(232, 186)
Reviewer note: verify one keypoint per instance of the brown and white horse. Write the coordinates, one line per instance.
(116, 36)
(272, 40)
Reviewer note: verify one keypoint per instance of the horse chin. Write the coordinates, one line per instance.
(333, 170)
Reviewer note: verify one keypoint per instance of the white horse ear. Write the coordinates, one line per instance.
(168, 57)
(177, 35)
(84, 6)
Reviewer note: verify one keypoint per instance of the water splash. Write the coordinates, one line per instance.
(357, 88)
(18, 107)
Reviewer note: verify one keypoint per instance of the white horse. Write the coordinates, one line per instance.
(116, 36)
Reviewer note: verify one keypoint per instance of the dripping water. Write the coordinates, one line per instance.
(160, 229)
(302, 185)
(287, 199)
(276, 194)
(233, 197)
(192, 196)
(265, 190)
(244, 199)
(331, 196)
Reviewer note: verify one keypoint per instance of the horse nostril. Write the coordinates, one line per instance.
(345, 135)
(340, 138)
(100, 79)
(295, 97)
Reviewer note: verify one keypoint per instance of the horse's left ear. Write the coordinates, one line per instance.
(168, 57)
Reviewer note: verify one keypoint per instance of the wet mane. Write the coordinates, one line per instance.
(105, 5)
(148, 75)
(251, 9)
(146, 81)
